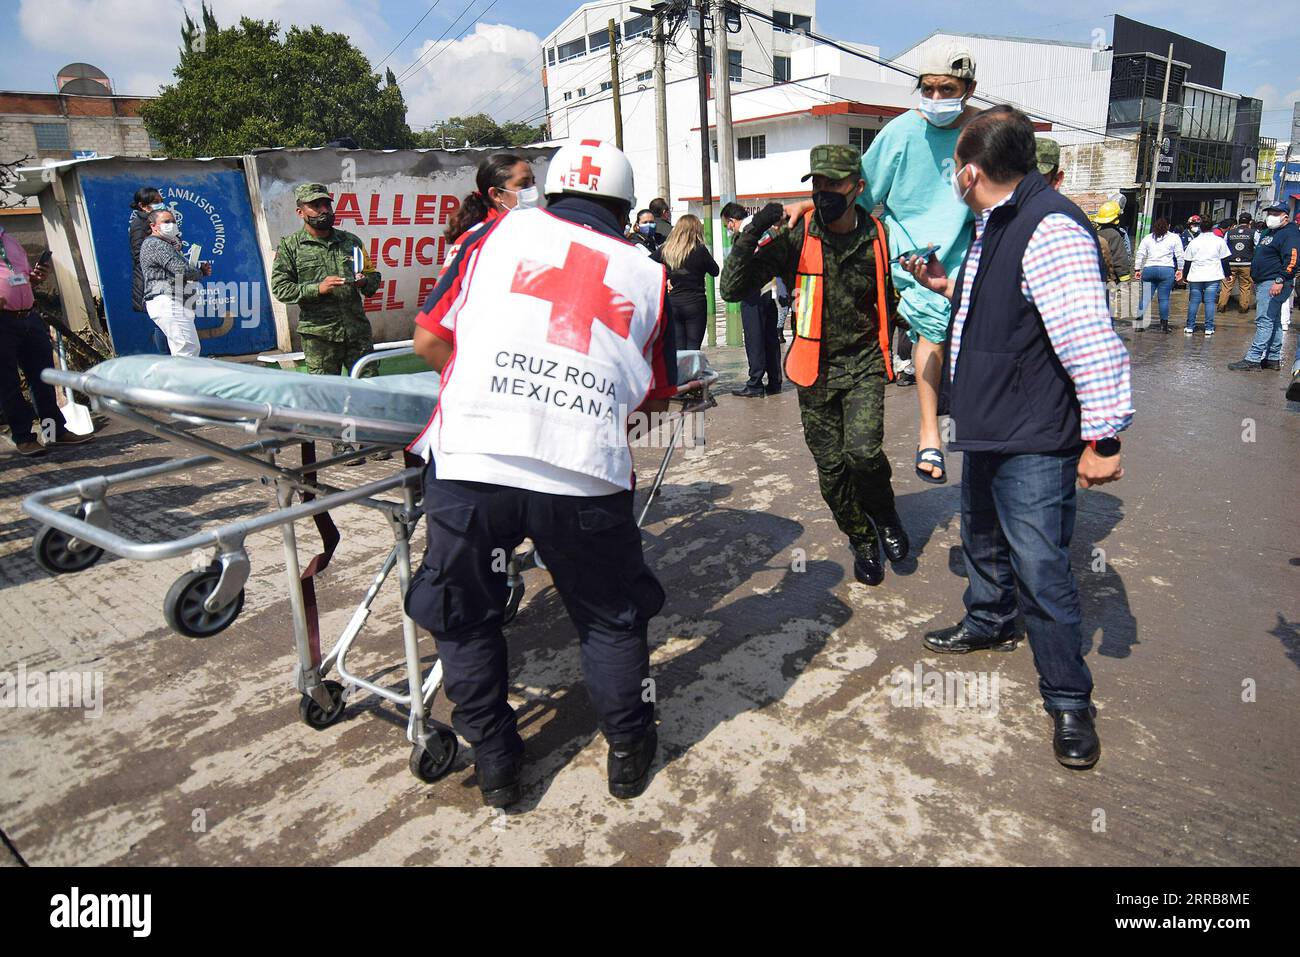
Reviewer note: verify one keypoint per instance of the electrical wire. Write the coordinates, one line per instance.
(408, 33)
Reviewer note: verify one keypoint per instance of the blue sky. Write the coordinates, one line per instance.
(134, 40)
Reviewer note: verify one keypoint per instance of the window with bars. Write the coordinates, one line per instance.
(860, 138)
(647, 75)
(607, 85)
(51, 136)
(751, 147)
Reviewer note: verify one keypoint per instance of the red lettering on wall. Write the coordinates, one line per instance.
(423, 258)
(448, 206)
(375, 218)
(427, 284)
(348, 209)
(392, 302)
(398, 218)
(389, 244)
(426, 209)
(442, 250)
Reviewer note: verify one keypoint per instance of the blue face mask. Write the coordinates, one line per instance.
(646, 229)
(942, 112)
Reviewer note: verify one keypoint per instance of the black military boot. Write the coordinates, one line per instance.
(498, 780)
(1075, 738)
(894, 537)
(957, 640)
(867, 567)
(629, 765)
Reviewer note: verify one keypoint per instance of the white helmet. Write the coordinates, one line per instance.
(591, 168)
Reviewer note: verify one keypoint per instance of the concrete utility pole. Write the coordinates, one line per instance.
(613, 80)
(706, 175)
(1144, 227)
(661, 106)
(726, 141)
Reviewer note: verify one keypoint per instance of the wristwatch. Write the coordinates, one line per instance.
(1106, 447)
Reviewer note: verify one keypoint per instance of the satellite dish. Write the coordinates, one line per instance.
(84, 78)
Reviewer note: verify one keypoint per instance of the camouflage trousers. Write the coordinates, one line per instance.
(337, 356)
(845, 431)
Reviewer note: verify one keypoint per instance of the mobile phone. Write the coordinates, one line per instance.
(45, 259)
(924, 252)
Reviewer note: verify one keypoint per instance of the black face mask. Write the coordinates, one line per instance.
(321, 221)
(830, 205)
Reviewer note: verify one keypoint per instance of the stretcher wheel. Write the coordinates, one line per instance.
(429, 768)
(183, 606)
(512, 601)
(314, 716)
(51, 551)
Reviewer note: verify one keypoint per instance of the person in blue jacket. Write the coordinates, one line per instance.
(1273, 270)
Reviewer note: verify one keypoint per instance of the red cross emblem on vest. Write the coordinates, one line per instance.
(578, 297)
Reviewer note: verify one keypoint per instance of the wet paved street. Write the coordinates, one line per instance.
(785, 737)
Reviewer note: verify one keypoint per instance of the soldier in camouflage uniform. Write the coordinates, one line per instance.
(843, 410)
(314, 269)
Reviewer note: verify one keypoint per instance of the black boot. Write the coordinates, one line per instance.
(867, 567)
(498, 780)
(957, 640)
(628, 767)
(894, 537)
(1075, 738)
(1164, 325)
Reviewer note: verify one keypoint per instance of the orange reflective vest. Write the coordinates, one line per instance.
(802, 361)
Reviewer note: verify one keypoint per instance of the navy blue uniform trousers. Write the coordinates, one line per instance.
(592, 548)
(758, 316)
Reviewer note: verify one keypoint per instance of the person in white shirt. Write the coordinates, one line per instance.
(1159, 265)
(1204, 258)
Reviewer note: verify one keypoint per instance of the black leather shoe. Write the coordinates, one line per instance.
(629, 765)
(1243, 365)
(1075, 739)
(1293, 390)
(958, 641)
(894, 537)
(1270, 363)
(748, 393)
(776, 391)
(498, 780)
(867, 567)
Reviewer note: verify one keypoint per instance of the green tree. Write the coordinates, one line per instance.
(243, 88)
(478, 130)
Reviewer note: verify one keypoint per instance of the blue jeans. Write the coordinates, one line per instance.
(1198, 292)
(1017, 518)
(1268, 322)
(1156, 281)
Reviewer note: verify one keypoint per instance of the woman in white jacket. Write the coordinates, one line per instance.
(1159, 264)
(1204, 258)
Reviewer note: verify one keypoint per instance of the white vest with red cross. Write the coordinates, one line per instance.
(552, 353)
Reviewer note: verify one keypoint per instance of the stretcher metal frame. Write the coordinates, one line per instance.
(206, 601)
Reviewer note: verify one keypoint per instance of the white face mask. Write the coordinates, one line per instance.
(942, 112)
(956, 183)
(525, 198)
(1274, 222)
(169, 230)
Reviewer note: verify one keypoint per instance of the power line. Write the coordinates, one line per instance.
(424, 59)
(408, 33)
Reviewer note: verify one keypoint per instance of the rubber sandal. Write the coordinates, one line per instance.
(931, 457)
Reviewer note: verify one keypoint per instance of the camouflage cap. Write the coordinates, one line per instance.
(833, 161)
(1049, 154)
(310, 192)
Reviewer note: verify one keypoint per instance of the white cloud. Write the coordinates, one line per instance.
(495, 69)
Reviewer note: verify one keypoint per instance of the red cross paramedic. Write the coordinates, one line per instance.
(550, 331)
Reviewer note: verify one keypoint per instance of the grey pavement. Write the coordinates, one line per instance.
(786, 737)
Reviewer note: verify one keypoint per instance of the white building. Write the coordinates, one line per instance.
(576, 63)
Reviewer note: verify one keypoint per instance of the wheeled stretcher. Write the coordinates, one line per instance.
(178, 399)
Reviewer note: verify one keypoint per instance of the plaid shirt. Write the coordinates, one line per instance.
(1060, 278)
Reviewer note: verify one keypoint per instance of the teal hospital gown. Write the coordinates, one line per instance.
(909, 170)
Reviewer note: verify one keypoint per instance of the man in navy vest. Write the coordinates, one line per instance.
(1038, 386)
